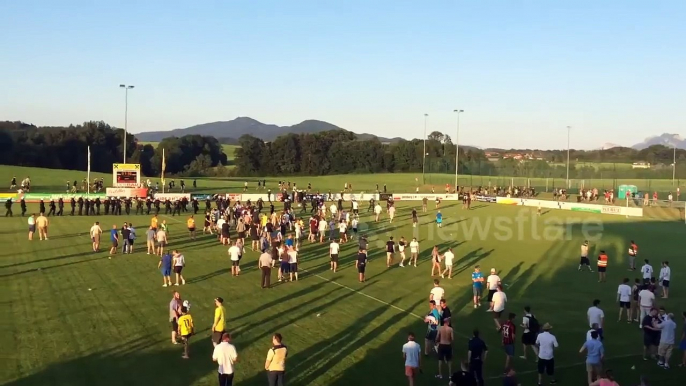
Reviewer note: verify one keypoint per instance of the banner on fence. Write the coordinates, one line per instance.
(127, 192)
(36, 197)
(573, 206)
(201, 196)
(172, 196)
(8, 196)
(420, 197)
(385, 196)
(485, 199)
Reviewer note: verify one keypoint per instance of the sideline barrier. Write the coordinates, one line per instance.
(201, 196)
(172, 196)
(8, 196)
(573, 206)
(420, 197)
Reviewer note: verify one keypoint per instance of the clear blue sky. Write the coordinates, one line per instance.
(521, 70)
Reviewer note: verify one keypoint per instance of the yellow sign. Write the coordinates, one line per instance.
(8, 196)
(126, 166)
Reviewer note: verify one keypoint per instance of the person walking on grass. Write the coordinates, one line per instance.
(161, 241)
(602, 266)
(477, 285)
(174, 315)
(265, 263)
(234, 253)
(432, 319)
(448, 258)
(435, 261)
(595, 315)
(179, 263)
(334, 249)
(150, 241)
(667, 330)
(219, 323)
(547, 343)
(624, 300)
(165, 266)
(226, 357)
(476, 356)
(413, 357)
(444, 339)
(508, 331)
(361, 264)
(114, 238)
(95, 233)
(665, 276)
(595, 354)
(531, 329)
(186, 330)
(32, 226)
(276, 361)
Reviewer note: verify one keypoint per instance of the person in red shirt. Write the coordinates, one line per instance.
(508, 332)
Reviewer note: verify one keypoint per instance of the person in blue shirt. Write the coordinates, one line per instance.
(114, 238)
(165, 266)
(477, 285)
(432, 329)
(289, 241)
(595, 353)
(439, 219)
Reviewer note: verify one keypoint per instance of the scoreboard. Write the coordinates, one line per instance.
(126, 175)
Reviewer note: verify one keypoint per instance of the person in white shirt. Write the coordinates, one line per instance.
(448, 258)
(333, 209)
(414, 251)
(624, 300)
(492, 281)
(293, 264)
(667, 340)
(334, 249)
(321, 227)
(343, 231)
(547, 343)
(646, 301)
(226, 356)
(96, 232)
(179, 262)
(412, 354)
(401, 248)
(499, 300)
(234, 253)
(437, 293)
(596, 316)
(647, 272)
(665, 276)
(594, 328)
(377, 212)
(391, 213)
(220, 223)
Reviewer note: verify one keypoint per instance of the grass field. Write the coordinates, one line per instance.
(58, 332)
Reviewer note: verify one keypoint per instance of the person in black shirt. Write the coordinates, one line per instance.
(651, 334)
(125, 232)
(510, 378)
(41, 206)
(52, 208)
(445, 313)
(363, 242)
(361, 264)
(8, 207)
(72, 203)
(22, 204)
(60, 206)
(477, 355)
(390, 249)
(414, 218)
(463, 377)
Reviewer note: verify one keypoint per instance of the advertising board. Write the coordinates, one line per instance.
(127, 192)
(172, 196)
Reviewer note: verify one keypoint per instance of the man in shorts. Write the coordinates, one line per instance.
(334, 249)
(444, 338)
(114, 238)
(32, 226)
(412, 354)
(219, 324)
(174, 315)
(477, 285)
(165, 267)
(583, 261)
(161, 241)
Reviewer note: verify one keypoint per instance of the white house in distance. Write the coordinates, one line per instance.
(640, 165)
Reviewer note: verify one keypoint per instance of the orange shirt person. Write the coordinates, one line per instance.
(602, 266)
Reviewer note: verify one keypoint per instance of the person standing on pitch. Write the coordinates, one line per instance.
(226, 356)
(276, 361)
(602, 266)
(361, 264)
(265, 263)
(412, 354)
(633, 252)
(583, 261)
(445, 347)
(174, 315)
(219, 324)
(186, 330)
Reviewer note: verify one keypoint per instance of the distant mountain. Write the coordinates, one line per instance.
(229, 131)
(608, 145)
(666, 139)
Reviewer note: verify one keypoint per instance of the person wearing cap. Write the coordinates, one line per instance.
(226, 356)
(583, 261)
(219, 324)
(492, 281)
(547, 343)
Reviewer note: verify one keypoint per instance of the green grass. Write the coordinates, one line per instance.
(57, 332)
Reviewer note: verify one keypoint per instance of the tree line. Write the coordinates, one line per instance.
(24, 144)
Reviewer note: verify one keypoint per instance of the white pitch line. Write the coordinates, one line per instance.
(365, 295)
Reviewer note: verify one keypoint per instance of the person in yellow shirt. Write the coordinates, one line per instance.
(186, 328)
(191, 227)
(219, 324)
(153, 223)
(276, 361)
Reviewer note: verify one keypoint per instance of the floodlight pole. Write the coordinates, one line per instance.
(426, 116)
(457, 145)
(569, 128)
(126, 113)
(674, 167)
